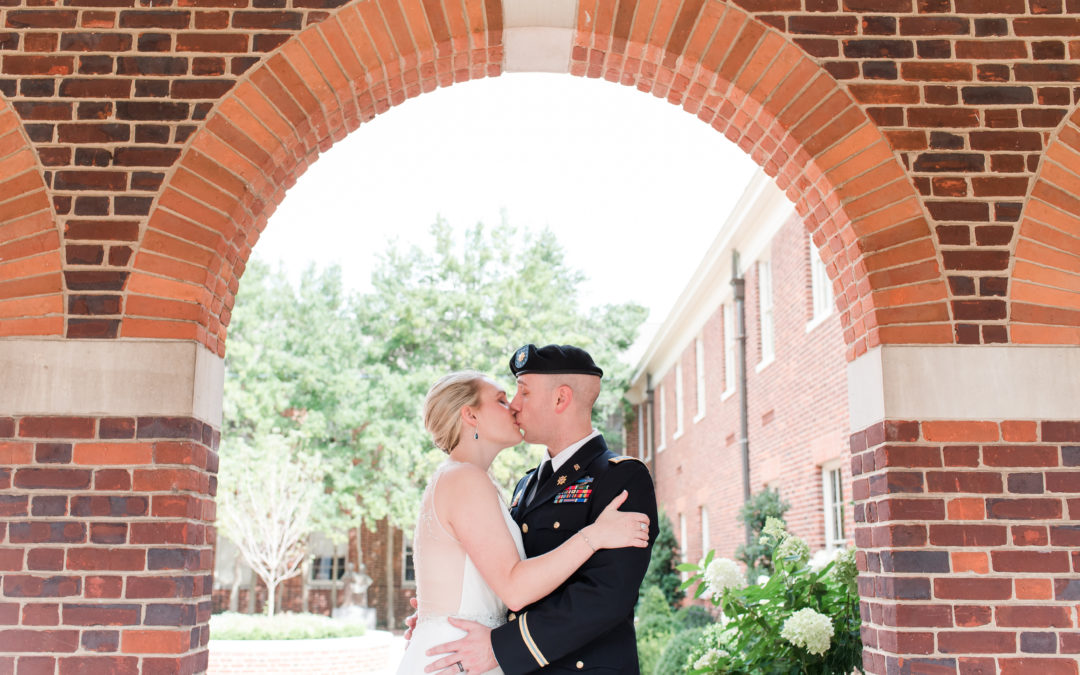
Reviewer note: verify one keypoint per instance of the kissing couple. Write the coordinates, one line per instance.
(550, 583)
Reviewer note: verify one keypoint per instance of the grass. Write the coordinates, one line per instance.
(284, 626)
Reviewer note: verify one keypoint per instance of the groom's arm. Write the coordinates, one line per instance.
(600, 595)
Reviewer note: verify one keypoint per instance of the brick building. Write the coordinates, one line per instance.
(931, 147)
(685, 389)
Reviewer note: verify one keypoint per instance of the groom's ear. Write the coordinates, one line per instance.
(564, 397)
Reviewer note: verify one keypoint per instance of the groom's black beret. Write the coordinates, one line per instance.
(553, 360)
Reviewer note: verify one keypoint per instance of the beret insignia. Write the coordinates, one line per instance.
(521, 357)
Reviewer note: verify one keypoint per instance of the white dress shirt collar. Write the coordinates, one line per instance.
(558, 460)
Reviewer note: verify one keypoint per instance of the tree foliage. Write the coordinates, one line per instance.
(661, 572)
(757, 555)
(343, 375)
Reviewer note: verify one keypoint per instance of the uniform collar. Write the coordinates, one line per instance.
(558, 460)
(590, 448)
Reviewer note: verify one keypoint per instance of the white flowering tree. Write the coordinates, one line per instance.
(266, 495)
(802, 619)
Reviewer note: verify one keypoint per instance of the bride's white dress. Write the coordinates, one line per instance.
(447, 582)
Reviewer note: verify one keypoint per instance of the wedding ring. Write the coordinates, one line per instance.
(461, 668)
(642, 525)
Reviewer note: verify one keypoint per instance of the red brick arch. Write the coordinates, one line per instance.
(31, 286)
(743, 78)
(1045, 284)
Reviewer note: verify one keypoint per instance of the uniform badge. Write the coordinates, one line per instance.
(579, 492)
(521, 357)
(517, 498)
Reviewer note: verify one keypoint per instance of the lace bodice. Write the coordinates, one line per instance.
(447, 581)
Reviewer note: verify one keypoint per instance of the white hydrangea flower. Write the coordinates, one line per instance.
(793, 546)
(762, 579)
(845, 568)
(808, 629)
(722, 574)
(774, 527)
(710, 659)
(821, 558)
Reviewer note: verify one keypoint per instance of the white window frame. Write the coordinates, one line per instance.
(326, 555)
(766, 313)
(832, 490)
(408, 561)
(729, 349)
(706, 540)
(699, 374)
(821, 289)
(680, 402)
(662, 414)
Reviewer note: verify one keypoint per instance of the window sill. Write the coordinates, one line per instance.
(762, 365)
(727, 394)
(817, 321)
(677, 435)
(698, 418)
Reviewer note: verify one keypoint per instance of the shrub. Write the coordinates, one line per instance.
(803, 619)
(693, 616)
(655, 624)
(284, 626)
(756, 555)
(676, 655)
(661, 572)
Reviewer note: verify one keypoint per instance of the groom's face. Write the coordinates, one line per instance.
(530, 406)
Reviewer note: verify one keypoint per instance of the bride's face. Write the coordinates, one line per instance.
(497, 422)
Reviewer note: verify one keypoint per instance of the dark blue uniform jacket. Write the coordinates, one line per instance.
(587, 624)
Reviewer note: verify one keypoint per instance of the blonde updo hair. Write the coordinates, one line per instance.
(442, 407)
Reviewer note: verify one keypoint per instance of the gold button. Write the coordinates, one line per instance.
(580, 665)
(525, 528)
(577, 467)
(556, 524)
(513, 617)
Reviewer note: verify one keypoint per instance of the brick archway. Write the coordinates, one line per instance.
(1045, 283)
(743, 78)
(31, 288)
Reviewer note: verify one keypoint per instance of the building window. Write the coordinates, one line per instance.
(699, 374)
(706, 543)
(765, 311)
(679, 401)
(650, 442)
(663, 418)
(729, 349)
(327, 568)
(408, 569)
(832, 485)
(820, 286)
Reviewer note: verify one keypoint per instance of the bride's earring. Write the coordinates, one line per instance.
(476, 432)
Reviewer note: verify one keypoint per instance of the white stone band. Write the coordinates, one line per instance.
(124, 378)
(928, 382)
(538, 37)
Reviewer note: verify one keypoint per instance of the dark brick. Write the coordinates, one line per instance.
(976, 260)
(101, 640)
(96, 280)
(49, 505)
(1026, 483)
(994, 286)
(37, 88)
(878, 49)
(113, 230)
(151, 88)
(988, 95)
(101, 615)
(1060, 432)
(132, 206)
(934, 49)
(57, 479)
(51, 532)
(152, 133)
(991, 27)
(52, 453)
(144, 66)
(155, 19)
(951, 161)
(169, 427)
(902, 588)
(979, 310)
(170, 615)
(151, 110)
(115, 507)
(879, 70)
(915, 561)
(1070, 455)
(108, 533)
(155, 42)
(1038, 643)
(97, 157)
(93, 328)
(95, 42)
(94, 305)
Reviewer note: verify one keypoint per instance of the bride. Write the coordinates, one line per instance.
(467, 549)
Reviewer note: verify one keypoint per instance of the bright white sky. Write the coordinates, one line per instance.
(633, 187)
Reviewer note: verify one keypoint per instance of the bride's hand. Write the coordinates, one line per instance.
(618, 529)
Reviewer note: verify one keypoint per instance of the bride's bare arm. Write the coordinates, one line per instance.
(468, 504)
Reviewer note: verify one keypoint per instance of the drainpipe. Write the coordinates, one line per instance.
(651, 439)
(739, 284)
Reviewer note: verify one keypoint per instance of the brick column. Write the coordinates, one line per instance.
(107, 542)
(967, 527)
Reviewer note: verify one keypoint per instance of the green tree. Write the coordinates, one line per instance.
(344, 376)
(661, 572)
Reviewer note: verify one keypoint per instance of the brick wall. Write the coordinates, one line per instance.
(969, 545)
(107, 543)
(798, 413)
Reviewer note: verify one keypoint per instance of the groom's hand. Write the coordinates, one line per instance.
(473, 651)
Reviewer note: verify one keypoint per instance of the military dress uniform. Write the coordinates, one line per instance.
(587, 623)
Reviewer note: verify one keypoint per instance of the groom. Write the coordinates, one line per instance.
(588, 622)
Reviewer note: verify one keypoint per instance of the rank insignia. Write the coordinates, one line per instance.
(521, 356)
(577, 493)
(561, 481)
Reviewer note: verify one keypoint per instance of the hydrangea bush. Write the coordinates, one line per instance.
(803, 619)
